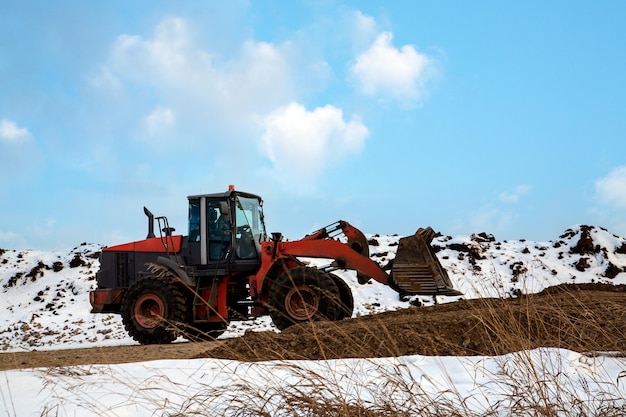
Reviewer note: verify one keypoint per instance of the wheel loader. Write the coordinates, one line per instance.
(227, 268)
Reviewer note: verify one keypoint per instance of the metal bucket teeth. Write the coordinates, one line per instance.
(416, 269)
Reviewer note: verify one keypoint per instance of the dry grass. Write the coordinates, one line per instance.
(527, 381)
(532, 381)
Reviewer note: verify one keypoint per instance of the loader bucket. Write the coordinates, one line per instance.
(416, 269)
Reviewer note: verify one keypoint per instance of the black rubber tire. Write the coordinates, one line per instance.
(154, 310)
(303, 294)
(346, 300)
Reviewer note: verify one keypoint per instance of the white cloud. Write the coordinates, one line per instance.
(385, 71)
(8, 236)
(490, 219)
(159, 120)
(210, 87)
(231, 100)
(105, 80)
(17, 154)
(494, 217)
(514, 196)
(301, 143)
(166, 53)
(611, 190)
(11, 240)
(364, 29)
(11, 132)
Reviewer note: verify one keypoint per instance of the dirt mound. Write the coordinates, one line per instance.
(583, 318)
(590, 317)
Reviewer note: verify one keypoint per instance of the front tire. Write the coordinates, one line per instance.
(303, 294)
(154, 310)
(346, 300)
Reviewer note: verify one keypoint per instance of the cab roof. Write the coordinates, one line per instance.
(225, 195)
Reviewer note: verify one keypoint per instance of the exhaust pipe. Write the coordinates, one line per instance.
(150, 222)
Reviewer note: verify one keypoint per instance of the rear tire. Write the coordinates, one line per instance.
(303, 294)
(154, 310)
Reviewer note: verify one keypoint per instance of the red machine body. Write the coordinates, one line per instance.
(228, 269)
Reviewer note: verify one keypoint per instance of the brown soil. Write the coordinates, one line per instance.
(583, 318)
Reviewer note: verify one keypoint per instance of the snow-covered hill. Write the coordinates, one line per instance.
(45, 301)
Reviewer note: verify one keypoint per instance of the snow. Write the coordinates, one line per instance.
(44, 306)
(211, 387)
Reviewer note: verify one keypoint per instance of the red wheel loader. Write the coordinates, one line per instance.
(227, 268)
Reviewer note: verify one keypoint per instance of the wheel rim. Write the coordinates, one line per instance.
(149, 311)
(302, 302)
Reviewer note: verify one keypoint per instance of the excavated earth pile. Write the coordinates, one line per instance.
(583, 318)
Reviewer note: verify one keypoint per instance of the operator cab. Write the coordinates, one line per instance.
(226, 228)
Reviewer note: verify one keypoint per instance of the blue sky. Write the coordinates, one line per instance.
(503, 117)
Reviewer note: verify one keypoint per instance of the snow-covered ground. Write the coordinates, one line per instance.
(503, 386)
(44, 305)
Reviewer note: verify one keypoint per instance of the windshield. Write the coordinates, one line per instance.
(250, 212)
